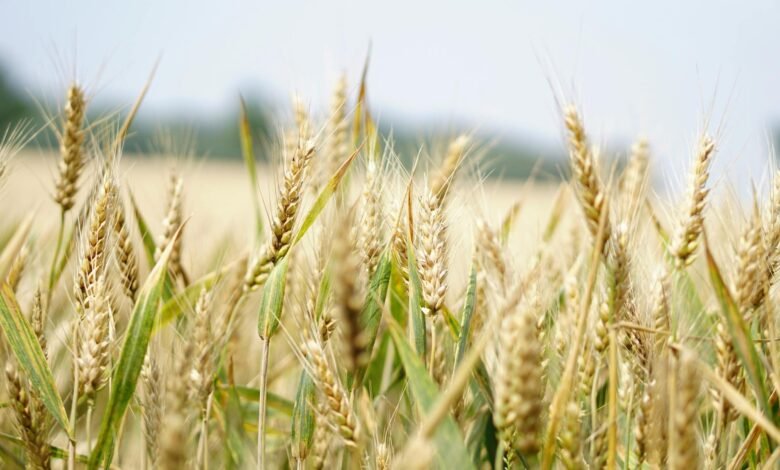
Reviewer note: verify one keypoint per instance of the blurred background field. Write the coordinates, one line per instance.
(217, 195)
(494, 69)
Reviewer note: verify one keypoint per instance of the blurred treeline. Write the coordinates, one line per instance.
(216, 136)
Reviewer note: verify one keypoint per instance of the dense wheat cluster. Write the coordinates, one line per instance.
(386, 318)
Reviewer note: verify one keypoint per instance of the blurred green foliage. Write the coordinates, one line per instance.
(13, 106)
(216, 136)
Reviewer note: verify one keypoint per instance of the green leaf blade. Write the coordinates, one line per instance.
(324, 197)
(739, 330)
(272, 300)
(415, 302)
(450, 446)
(30, 357)
(467, 314)
(302, 429)
(131, 358)
(248, 152)
(375, 299)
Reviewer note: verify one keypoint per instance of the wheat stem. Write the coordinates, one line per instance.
(264, 352)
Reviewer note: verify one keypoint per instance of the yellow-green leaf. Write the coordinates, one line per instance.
(30, 357)
(143, 228)
(173, 307)
(509, 222)
(273, 401)
(324, 196)
(302, 429)
(322, 295)
(415, 302)
(740, 336)
(55, 452)
(272, 301)
(468, 312)
(248, 152)
(375, 299)
(556, 214)
(14, 245)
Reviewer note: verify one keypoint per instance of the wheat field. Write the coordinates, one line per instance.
(331, 308)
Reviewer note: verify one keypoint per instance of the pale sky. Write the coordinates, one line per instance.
(656, 68)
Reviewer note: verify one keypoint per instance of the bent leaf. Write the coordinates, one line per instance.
(450, 448)
(143, 228)
(131, 358)
(273, 401)
(324, 197)
(174, 306)
(248, 152)
(29, 354)
(738, 329)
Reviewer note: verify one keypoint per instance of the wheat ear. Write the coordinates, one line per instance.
(30, 420)
(590, 190)
(71, 152)
(340, 414)
(152, 406)
(686, 239)
(125, 253)
(518, 383)
(171, 223)
(284, 221)
(684, 439)
(175, 433)
(94, 240)
(441, 183)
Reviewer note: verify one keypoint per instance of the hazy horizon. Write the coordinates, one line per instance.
(656, 70)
